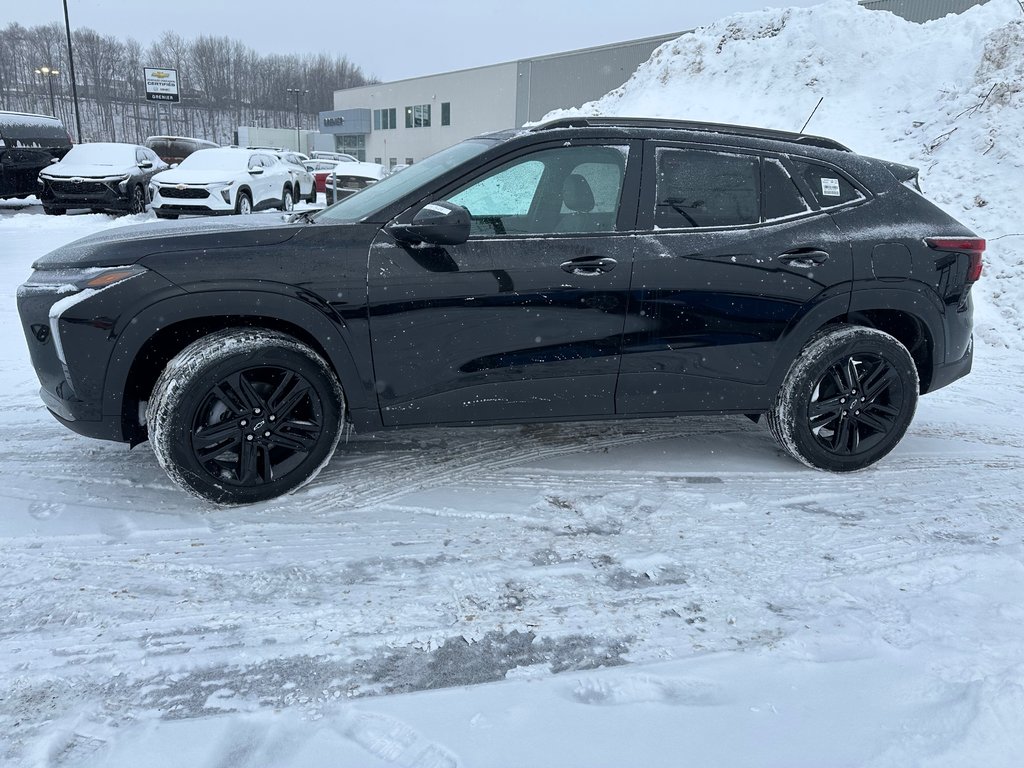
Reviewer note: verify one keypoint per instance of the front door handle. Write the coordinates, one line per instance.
(804, 258)
(589, 265)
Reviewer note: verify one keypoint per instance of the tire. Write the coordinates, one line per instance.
(243, 204)
(312, 195)
(54, 211)
(287, 201)
(162, 215)
(847, 399)
(137, 202)
(245, 415)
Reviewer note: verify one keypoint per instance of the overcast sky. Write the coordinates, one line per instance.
(393, 39)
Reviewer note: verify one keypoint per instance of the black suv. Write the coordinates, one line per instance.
(583, 269)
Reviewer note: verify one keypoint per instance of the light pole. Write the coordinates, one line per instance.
(49, 74)
(71, 63)
(297, 92)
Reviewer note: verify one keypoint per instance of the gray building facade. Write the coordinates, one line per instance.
(921, 10)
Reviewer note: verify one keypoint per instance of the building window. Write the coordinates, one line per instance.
(351, 144)
(446, 113)
(418, 116)
(408, 161)
(378, 161)
(385, 119)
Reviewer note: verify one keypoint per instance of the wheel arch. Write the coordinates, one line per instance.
(903, 314)
(161, 331)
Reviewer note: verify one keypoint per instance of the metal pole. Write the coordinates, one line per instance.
(298, 139)
(53, 102)
(71, 64)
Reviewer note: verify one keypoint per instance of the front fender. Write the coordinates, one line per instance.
(342, 340)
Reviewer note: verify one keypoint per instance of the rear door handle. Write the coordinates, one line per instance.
(589, 265)
(804, 258)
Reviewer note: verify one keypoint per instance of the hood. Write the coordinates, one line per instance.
(66, 171)
(121, 246)
(185, 176)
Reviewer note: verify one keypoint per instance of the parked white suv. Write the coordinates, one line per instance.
(222, 181)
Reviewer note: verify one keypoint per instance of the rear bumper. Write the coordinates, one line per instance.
(943, 375)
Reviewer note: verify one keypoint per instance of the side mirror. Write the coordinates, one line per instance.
(145, 165)
(255, 171)
(173, 165)
(440, 223)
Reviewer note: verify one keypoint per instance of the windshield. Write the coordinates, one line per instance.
(393, 188)
(215, 160)
(121, 155)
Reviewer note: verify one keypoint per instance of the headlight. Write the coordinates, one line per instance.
(73, 281)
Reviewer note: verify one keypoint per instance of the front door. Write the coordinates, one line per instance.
(524, 321)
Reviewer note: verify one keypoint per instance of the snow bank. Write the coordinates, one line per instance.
(946, 96)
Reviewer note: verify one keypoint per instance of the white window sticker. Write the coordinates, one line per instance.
(830, 188)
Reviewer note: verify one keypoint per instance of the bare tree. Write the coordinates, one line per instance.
(222, 82)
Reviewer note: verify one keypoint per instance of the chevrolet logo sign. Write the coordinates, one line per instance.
(180, 186)
(161, 75)
(77, 180)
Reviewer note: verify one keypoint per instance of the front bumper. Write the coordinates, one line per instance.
(88, 193)
(72, 337)
(194, 199)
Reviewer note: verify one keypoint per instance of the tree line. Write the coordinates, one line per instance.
(222, 83)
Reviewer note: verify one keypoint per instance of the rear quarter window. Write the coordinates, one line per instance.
(829, 187)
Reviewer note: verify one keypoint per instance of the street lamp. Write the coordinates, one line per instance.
(297, 92)
(49, 74)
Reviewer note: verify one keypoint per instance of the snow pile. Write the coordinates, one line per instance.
(946, 96)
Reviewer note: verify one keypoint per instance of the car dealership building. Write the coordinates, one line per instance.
(406, 120)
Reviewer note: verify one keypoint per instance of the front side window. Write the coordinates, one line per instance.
(699, 188)
(562, 190)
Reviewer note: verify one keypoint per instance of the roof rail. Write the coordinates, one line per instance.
(692, 125)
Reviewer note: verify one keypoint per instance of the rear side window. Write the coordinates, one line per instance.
(698, 188)
(829, 187)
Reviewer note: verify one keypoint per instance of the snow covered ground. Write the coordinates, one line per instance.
(647, 593)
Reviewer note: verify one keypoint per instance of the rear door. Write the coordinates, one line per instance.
(732, 259)
(523, 321)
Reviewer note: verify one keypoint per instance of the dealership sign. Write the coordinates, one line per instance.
(161, 84)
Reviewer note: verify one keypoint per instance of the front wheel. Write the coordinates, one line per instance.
(244, 415)
(54, 211)
(244, 204)
(137, 202)
(847, 400)
(287, 203)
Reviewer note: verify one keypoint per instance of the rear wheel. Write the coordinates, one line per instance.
(53, 211)
(244, 415)
(847, 400)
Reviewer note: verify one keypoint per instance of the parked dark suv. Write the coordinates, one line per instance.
(583, 269)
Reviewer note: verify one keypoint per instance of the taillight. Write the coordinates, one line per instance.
(972, 246)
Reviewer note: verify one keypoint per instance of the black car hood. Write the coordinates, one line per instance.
(121, 246)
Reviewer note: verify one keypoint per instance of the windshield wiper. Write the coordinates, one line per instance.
(302, 216)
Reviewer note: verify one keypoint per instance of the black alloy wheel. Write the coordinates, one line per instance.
(137, 203)
(847, 400)
(245, 415)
